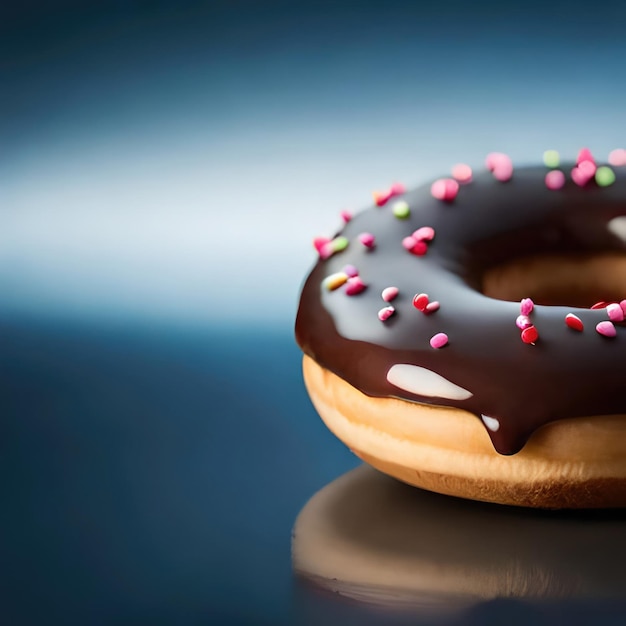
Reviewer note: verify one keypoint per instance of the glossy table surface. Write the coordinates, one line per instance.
(153, 474)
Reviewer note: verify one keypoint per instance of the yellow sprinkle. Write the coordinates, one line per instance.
(334, 281)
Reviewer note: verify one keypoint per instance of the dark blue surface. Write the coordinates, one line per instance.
(153, 474)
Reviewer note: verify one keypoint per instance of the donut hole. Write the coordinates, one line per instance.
(563, 280)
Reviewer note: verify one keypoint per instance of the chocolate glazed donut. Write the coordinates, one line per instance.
(460, 323)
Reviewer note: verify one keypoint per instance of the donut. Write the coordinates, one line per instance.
(468, 336)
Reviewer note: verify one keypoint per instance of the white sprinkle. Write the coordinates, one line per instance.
(424, 382)
(491, 423)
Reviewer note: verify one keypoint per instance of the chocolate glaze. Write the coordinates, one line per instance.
(565, 374)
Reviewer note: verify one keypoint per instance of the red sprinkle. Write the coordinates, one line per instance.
(599, 305)
(420, 248)
(420, 301)
(574, 322)
(445, 189)
(530, 335)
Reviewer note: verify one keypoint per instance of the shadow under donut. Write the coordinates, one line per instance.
(375, 540)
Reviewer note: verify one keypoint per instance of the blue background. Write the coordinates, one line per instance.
(163, 169)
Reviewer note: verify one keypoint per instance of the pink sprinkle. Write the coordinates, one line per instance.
(367, 239)
(555, 180)
(606, 329)
(622, 305)
(585, 156)
(523, 321)
(583, 173)
(385, 313)
(445, 189)
(462, 173)
(617, 158)
(526, 306)
(615, 313)
(320, 242)
(500, 165)
(382, 197)
(431, 307)
(425, 233)
(409, 242)
(439, 340)
(420, 301)
(350, 271)
(327, 250)
(355, 286)
(346, 216)
(420, 248)
(390, 293)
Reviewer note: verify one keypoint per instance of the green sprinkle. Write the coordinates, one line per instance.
(551, 158)
(339, 244)
(605, 176)
(401, 210)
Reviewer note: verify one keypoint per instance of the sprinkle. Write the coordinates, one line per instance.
(339, 244)
(385, 313)
(367, 239)
(401, 209)
(551, 158)
(500, 165)
(585, 155)
(530, 335)
(599, 305)
(334, 281)
(382, 197)
(617, 158)
(462, 173)
(431, 307)
(583, 173)
(346, 216)
(555, 180)
(439, 340)
(574, 322)
(390, 293)
(490, 422)
(523, 322)
(420, 301)
(425, 233)
(605, 176)
(606, 329)
(420, 248)
(320, 242)
(351, 271)
(336, 245)
(622, 305)
(354, 286)
(445, 189)
(526, 306)
(615, 313)
(409, 242)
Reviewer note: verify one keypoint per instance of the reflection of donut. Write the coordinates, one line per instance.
(370, 538)
(487, 308)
